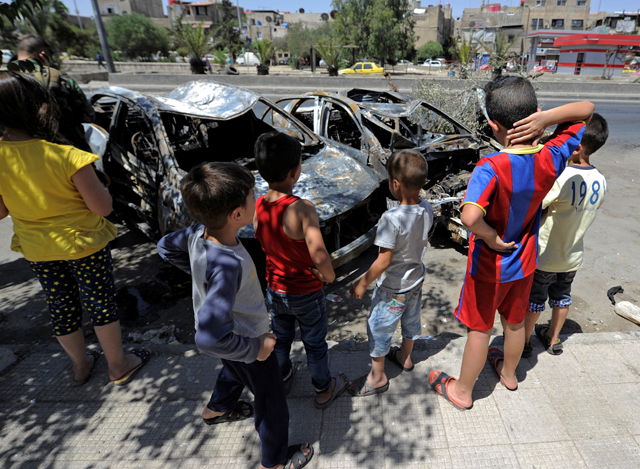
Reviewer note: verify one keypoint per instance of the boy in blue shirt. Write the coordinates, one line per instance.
(231, 319)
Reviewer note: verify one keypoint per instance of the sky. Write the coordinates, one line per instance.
(324, 6)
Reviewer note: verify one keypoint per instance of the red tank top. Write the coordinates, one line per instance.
(288, 260)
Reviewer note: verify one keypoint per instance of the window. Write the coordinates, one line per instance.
(537, 23)
(187, 10)
(110, 11)
(561, 3)
(201, 11)
(541, 3)
(577, 24)
(259, 36)
(511, 37)
(358, 67)
(557, 24)
(367, 67)
(581, 3)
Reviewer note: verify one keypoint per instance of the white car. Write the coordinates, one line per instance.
(6, 56)
(432, 64)
(249, 58)
(404, 62)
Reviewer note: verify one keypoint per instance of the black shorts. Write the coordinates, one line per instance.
(556, 286)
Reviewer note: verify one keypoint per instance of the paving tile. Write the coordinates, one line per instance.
(563, 370)
(305, 420)
(353, 424)
(622, 399)
(418, 458)
(631, 352)
(610, 453)
(527, 378)
(480, 426)
(529, 416)
(604, 364)
(555, 455)
(359, 460)
(34, 377)
(584, 412)
(412, 420)
(478, 457)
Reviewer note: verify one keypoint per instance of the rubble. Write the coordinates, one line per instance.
(628, 311)
(164, 335)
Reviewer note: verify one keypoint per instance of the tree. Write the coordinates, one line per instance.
(195, 43)
(137, 36)
(12, 12)
(264, 50)
(430, 50)
(463, 52)
(499, 52)
(330, 49)
(380, 28)
(300, 38)
(227, 36)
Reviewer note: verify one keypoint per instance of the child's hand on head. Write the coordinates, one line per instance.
(528, 129)
(267, 342)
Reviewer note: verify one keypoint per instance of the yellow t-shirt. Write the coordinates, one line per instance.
(573, 204)
(50, 219)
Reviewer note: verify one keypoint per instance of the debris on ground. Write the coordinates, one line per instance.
(164, 335)
(614, 291)
(628, 311)
(332, 297)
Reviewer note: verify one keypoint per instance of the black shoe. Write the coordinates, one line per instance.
(527, 351)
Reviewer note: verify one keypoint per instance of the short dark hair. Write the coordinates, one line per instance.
(212, 190)
(595, 134)
(33, 45)
(276, 154)
(409, 167)
(510, 99)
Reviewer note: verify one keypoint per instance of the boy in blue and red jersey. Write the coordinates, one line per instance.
(502, 208)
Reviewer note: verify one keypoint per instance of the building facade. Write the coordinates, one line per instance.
(148, 8)
(587, 53)
(433, 23)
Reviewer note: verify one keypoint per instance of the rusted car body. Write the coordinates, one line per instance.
(378, 123)
(152, 141)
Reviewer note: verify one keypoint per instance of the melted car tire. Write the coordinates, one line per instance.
(231, 70)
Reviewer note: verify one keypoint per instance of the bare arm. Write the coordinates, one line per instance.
(4, 211)
(533, 126)
(313, 236)
(377, 268)
(472, 217)
(93, 193)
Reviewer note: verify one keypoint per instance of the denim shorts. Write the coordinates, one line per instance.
(552, 285)
(386, 310)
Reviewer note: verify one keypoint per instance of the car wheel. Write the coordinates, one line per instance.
(230, 70)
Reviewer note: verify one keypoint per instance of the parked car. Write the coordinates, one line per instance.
(376, 123)
(283, 62)
(432, 63)
(322, 63)
(152, 141)
(404, 62)
(248, 58)
(362, 68)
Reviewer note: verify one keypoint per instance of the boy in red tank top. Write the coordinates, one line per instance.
(298, 265)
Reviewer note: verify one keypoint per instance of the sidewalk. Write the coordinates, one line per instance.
(577, 410)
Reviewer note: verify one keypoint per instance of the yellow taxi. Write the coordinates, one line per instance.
(362, 68)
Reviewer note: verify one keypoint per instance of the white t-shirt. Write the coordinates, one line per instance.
(405, 229)
(573, 204)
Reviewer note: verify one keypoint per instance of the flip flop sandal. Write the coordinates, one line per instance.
(75, 383)
(541, 334)
(339, 388)
(296, 458)
(391, 356)
(439, 382)
(142, 353)
(235, 415)
(495, 355)
(527, 351)
(363, 385)
(288, 381)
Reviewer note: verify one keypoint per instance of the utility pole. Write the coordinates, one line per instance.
(78, 14)
(103, 37)
(246, 57)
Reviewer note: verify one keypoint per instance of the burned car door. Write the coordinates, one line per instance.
(132, 163)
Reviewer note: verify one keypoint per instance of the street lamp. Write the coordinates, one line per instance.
(526, 27)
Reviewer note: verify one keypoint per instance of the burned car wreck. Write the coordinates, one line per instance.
(148, 143)
(381, 122)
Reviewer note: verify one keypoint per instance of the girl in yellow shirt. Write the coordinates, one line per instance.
(57, 206)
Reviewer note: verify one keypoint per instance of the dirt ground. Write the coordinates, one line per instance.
(152, 293)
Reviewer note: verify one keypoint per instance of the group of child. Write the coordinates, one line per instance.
(514, 264)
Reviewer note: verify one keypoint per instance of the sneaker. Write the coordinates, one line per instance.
(541, 333)
(527, 351)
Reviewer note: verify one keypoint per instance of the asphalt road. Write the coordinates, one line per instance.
(152, 294)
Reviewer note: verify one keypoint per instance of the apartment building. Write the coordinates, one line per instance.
(149, 8)
(433, 23)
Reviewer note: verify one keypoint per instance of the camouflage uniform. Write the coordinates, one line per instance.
(74, 107)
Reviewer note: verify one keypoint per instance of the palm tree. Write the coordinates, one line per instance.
(463, 52)
(498, 52)
(264, 50)
(196, 42)
(330, 49)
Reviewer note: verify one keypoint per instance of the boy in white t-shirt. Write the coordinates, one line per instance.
(570, 208)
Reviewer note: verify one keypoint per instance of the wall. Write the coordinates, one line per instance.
(149, 8)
